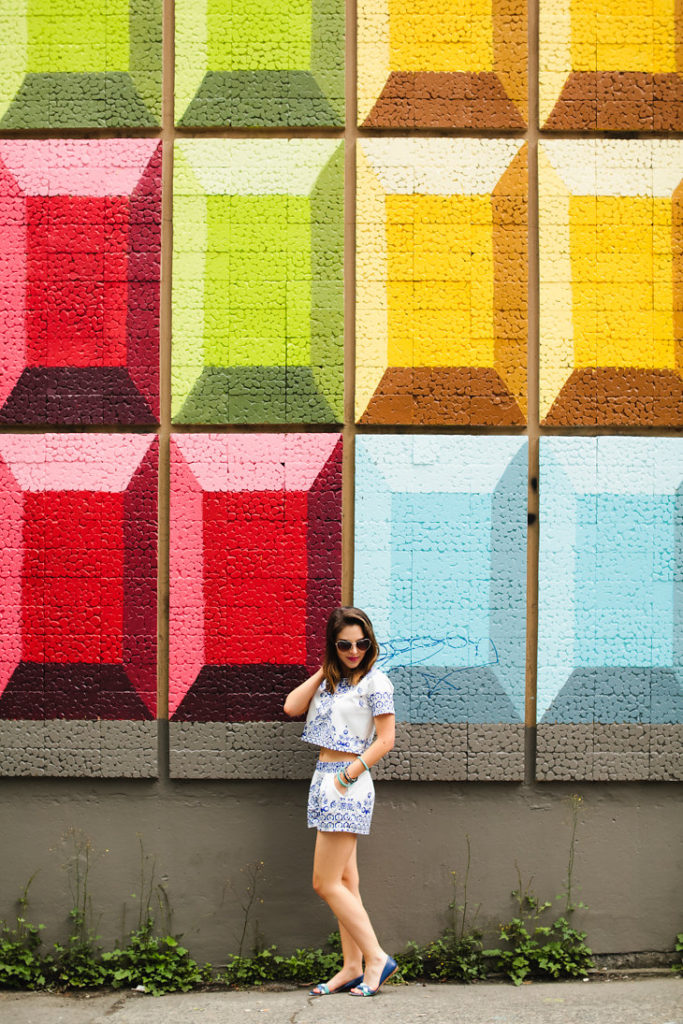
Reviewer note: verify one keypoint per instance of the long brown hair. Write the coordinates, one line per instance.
(333, 669)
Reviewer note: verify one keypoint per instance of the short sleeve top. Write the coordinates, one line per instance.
(343, 720)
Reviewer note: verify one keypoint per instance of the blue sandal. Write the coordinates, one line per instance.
(390, 968)
(323, 989)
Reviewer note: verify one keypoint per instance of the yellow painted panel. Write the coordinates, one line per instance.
(633, 35)
(424, 37)
(444, 315)
(614, 307)
(371, 275)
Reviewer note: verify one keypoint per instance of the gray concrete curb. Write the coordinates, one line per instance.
(653, 1000)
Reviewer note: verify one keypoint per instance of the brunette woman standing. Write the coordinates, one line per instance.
(350, 716)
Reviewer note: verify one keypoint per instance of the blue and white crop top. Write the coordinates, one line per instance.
(343, 720)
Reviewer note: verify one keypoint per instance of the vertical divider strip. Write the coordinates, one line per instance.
(532, 393)
(349, 430)
(167, 136)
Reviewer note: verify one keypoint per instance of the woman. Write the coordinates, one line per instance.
(350, 707)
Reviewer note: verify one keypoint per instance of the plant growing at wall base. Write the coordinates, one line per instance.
(303, 967)
(552, 950)
(574, 801)
(458, 954)
(679, 949)
(250, 900)
(21, 965)
(556, 950)
(77, 962)
(159, 963)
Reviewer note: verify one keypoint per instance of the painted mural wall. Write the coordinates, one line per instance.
(347, 330)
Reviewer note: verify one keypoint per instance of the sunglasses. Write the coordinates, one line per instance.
(346, 645)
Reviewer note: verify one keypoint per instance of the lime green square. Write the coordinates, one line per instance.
(78, 36)
(253, 307)
(255, 35)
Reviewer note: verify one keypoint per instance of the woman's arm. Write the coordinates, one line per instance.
(301, 696)
(385, 726)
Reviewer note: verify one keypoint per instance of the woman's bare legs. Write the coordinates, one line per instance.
(353, 956)
(335, 879)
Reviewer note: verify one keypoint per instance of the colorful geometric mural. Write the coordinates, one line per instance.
(256, 228)
(440, 566)
(78, 583)
(256, 64)
(441, 305)
(258, 281)
(611, 239)
(80, 225)
(610, 67)
(442, 65)
(610, 660)
(80, 65)
(255, 556)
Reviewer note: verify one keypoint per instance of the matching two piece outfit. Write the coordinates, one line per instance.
(343, 720)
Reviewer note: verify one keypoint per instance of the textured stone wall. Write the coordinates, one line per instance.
(340, 237)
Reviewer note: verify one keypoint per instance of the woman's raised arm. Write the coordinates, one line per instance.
(301, 696)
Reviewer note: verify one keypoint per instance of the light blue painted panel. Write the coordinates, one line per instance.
(610, 577)
(451, 511)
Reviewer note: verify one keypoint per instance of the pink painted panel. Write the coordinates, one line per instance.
(186, 560)
(80, 167)
(12, 282)
(256, 462)
(255, 547)
(11, 558)
(73, 462)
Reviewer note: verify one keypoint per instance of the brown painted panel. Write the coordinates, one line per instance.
(615, 396)
(460, 395)
(619, 101)
(443, 99)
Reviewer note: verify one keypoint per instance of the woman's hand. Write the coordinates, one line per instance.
(337, 785)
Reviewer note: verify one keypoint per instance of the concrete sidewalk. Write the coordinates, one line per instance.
(655, 1000)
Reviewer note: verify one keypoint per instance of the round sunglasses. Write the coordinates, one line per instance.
(346, 645)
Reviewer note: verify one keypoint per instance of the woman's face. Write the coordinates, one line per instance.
(351, 659)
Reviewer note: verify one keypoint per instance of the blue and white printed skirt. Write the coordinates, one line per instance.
(331, 811)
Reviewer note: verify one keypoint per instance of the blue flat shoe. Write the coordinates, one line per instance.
(390, 968)
(324, 989)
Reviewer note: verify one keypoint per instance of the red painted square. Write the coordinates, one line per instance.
(77, 291)
(72, 596)
(255, 578)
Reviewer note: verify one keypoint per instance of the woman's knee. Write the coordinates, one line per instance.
(322, 882)
(351, 881)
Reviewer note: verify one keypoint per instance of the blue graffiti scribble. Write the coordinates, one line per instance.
(419, 649)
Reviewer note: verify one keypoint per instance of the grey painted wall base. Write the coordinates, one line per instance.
(205, 837)
(603, 752)
(273, 750)
(66, 749)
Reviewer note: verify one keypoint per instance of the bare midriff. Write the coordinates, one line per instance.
(335, 755)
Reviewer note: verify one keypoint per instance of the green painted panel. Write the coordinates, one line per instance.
(251, 292)
(327, 275)
(64, 101)
(80, 64)
(327, 52)
(260, 99)
(253, 35)
(145, 55)
(256, 394)
(258, 281)
(77, 35)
